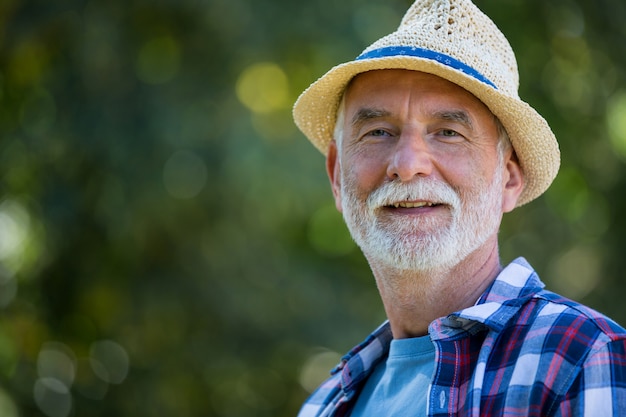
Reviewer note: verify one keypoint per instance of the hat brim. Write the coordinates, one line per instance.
(536, 147)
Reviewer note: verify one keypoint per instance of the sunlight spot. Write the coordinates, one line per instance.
(57, 361)
(616, 122)
(263, 88)
(576, 273)
(15, 225)
(7, 406)
(109, 361)
(52, 397)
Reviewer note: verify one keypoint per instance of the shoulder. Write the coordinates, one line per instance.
(565, 340)
(547, 311)
(557, 334)
(565, 345)
(560, 316)
(583, 355)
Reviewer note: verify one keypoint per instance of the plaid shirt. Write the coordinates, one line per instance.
(520, 351)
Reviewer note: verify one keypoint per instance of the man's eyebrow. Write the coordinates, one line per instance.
(459, 116)
(366, 114)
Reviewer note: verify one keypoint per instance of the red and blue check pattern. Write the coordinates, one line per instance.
(520, 351)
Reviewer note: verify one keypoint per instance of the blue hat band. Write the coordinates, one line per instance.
(444, 59)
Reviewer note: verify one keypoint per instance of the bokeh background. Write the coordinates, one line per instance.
(168, 241)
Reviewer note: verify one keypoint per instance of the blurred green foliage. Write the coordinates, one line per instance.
(168, 240)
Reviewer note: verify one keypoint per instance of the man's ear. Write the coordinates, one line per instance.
(333, 170)
(513, 183)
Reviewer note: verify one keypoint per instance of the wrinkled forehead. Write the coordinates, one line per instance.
(392, 87)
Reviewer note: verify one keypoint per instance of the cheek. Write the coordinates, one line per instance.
(459, 173)
(363, 175)
(468, 169)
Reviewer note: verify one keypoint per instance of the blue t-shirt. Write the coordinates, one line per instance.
(399, 385)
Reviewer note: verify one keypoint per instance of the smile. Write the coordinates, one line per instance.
(409, 204)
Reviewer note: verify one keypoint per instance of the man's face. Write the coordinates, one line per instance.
(418, 175)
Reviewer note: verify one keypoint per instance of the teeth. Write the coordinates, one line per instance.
(412, 205)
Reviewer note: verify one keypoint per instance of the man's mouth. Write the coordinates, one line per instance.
(410, 204)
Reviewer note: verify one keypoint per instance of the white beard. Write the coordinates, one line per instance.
(423, 244)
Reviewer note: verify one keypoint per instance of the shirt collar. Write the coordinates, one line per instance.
(359, 362)
(509, 291)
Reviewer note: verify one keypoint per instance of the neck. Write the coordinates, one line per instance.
(413, 299)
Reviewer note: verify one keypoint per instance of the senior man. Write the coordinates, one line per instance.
(427, 145)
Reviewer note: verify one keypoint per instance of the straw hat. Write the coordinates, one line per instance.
(454, 40)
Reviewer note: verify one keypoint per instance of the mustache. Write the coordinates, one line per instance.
(433, 191)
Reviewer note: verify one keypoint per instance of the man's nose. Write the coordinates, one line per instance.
(411, 157)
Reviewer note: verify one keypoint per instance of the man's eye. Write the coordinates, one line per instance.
(379, 132)
(449, 132)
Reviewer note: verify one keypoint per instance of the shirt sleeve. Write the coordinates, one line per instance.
(600, 388)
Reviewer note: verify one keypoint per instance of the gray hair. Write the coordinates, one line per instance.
(341, 115)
